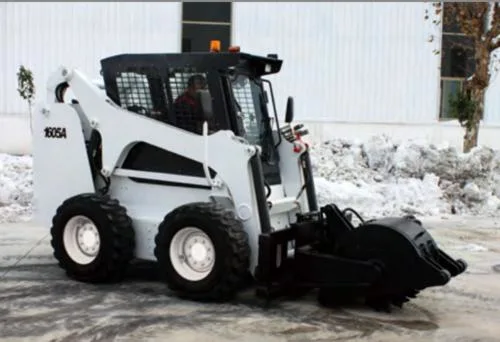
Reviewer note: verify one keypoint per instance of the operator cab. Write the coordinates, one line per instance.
(175, 88)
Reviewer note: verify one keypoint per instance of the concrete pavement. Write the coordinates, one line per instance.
(38, 302)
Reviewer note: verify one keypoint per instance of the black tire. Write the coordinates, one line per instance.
(117, 238)
(232, 251)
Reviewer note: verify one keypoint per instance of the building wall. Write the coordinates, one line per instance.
(355, 62)
(43, 36)
(492, 101)
(364, 62)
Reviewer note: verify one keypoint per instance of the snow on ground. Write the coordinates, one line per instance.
(16, 188)
(382, 177)
(377, 177)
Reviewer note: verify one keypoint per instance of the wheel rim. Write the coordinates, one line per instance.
(192, 253)
(81, 239)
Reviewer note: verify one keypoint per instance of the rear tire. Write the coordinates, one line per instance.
(93, 238)
(203, 252)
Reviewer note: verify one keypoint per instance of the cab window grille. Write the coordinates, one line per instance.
(185, 109)
(134, 90)
(244, 97)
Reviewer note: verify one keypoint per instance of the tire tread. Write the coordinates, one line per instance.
(237, 262)
(111, 269)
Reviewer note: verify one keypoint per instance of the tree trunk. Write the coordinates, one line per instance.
(477, 87)
(472, 129)
(31, 117)
(471, 137)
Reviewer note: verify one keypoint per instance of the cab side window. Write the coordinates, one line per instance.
(134, 92)
(169, 95)
(142, 92)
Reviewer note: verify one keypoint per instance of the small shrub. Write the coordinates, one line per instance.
(26, 87)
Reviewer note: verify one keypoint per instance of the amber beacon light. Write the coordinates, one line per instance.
(215, 46)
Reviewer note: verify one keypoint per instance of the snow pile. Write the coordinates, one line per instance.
(16, 188)
(382, 177)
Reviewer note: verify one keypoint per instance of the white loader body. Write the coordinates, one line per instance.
(61, 167)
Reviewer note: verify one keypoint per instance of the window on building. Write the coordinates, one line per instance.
(203, 22)
(457, 60)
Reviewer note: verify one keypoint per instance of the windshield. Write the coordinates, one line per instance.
(249, 102)
(247, 95)
(254, 121)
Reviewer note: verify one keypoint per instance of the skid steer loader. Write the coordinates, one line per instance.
(180, 159)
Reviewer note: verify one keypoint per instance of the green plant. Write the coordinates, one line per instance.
(462, 107)
(26, 87)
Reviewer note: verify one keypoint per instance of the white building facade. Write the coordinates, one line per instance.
(354, 69)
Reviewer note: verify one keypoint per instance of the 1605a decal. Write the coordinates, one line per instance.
(55, 132)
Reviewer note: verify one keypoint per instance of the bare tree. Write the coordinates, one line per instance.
(480, 23)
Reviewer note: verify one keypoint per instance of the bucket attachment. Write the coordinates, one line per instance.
(385, 261)
(407, 254)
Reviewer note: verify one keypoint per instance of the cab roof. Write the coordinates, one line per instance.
(257, 65)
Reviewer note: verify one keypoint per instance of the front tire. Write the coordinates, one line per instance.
(93, 238)
(203, 252)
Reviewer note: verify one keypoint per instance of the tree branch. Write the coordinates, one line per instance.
(494, 32)
(470, 18)
(496, 13)
(495, 46)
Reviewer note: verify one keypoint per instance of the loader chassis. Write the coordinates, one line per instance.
(142, 180)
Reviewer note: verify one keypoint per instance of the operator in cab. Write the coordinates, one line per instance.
(186, 107)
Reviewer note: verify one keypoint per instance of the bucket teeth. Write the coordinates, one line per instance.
(384, 302)
(399, 301)
(381, 304)
(412, 294)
